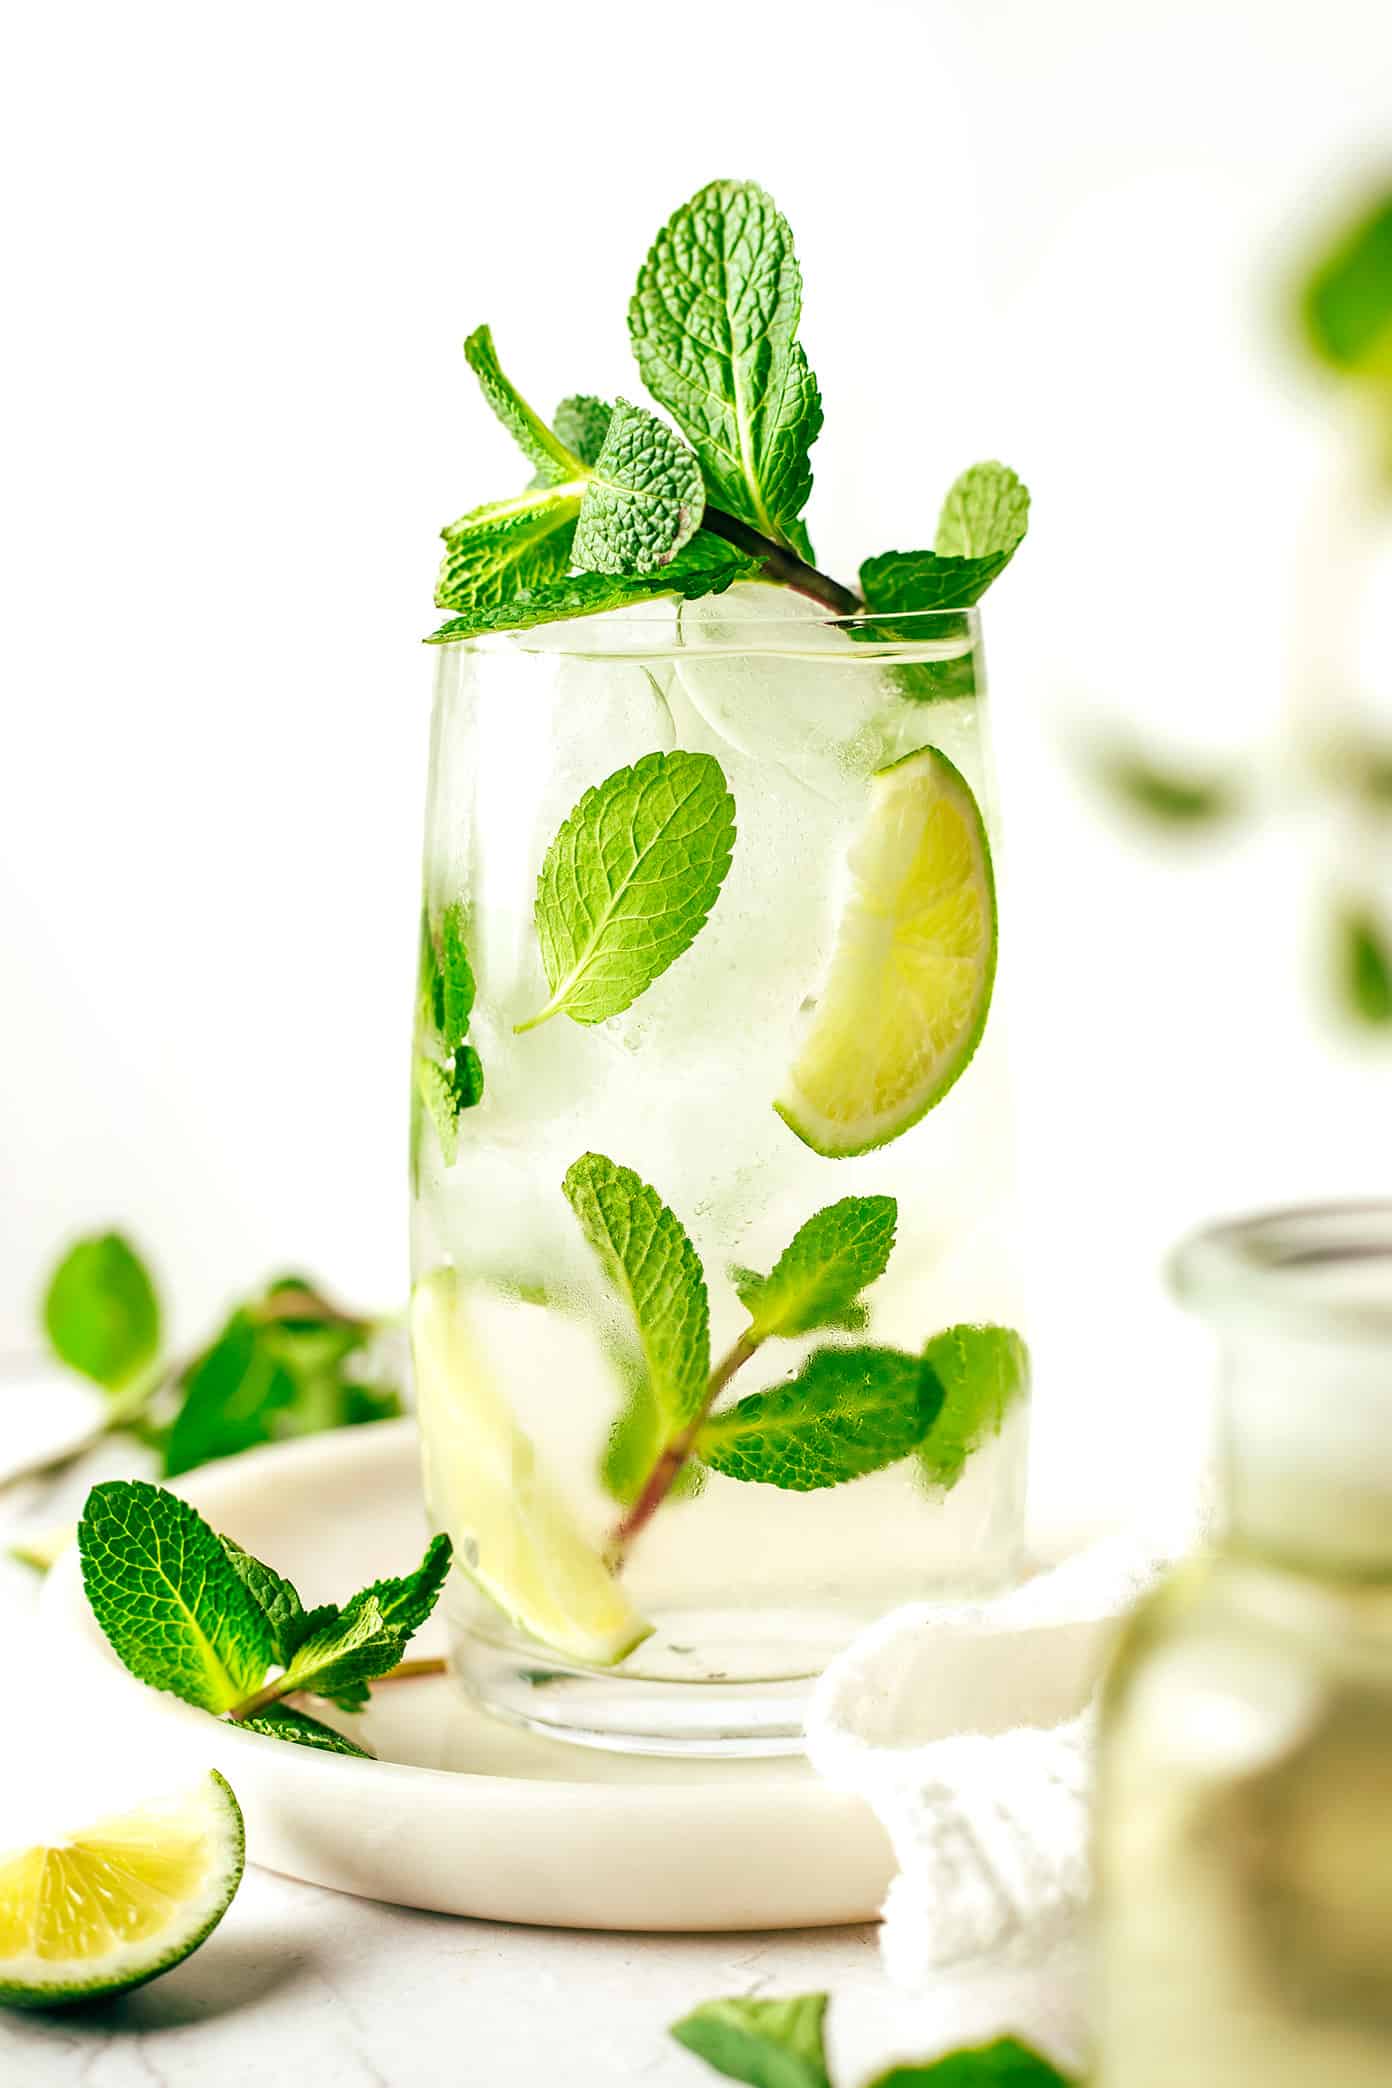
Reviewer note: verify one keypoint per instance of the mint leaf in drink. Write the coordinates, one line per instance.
(628, 882)
(644, 499)
(284, 1722)
(163, 1590)
(454, 989)
(818, 1278)
(448, 1071)
(1347, 302)
(644, 1251)
(544, 450)
(1004, 2064)
(101, 1313)
(581, 424)
(635, 1443)
(770, 2044)
(849, 1411)
(714, 324)
(704, 566)
(1363, 957)
(494, 552)
(982, 1370)
(986, 512)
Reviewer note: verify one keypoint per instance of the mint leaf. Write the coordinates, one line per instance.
(454, 991)
(100, 1311)
(1163, 791)
(232, 1393)
(282, 1722)
(581, 424)
(635, 1442)
(629, 880)
(408, 1599)
(1005, 2064)
(714, 327)
(277, 1599)
(1363, 956)
(644, 1251)
(770, 2044)
(644, 499)
(448, 1072)
(986, 511)
(495, 551)
(1347, 302)
(543, 450)
(704, 566)
(982, 524)
(163, 1590)
(849, 1411)
(900, 582)
(349, 1649)
(982, 1371)
(819, 1276)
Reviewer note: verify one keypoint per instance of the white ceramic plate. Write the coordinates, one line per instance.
(462, 1813)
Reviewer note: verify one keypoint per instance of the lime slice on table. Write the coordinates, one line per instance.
(110, 1907)
(910, 980)
(513, 1534)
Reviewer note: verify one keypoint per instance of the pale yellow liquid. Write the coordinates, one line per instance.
(1245, 1837)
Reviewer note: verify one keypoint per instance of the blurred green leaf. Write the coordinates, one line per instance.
(1363, 956)
(101, 1312)
(1346, 302)
(1163, 792)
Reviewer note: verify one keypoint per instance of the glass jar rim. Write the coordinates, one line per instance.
(652, 630)
(1322, 1269)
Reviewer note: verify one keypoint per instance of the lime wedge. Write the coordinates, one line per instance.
(513, 1535)
(910, 979)
(110, 1907)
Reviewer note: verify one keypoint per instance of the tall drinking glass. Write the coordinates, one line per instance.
(715, 1320)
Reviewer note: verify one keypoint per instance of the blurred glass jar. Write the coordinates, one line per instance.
(1245, 1779)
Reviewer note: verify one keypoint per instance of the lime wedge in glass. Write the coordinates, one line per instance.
(513, 1534)
(113, 1906)
(910, 979)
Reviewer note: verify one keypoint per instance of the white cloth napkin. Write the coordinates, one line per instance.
(967, 1728)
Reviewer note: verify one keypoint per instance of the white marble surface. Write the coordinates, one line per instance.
(300, 1984)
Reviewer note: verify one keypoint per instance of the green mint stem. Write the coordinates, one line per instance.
(782, 564)
(275, 1692)
(663, 1475)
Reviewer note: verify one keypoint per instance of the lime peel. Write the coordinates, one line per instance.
(121, 1901)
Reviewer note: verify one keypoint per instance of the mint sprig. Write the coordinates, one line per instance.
(628, 882)
(448, 1070)
(781, 2044)
(618, 494)
(193, 1614)
(286, 1362)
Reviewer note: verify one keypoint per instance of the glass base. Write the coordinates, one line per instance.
(707, 1683)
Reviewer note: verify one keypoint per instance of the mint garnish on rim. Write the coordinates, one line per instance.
(622, 506)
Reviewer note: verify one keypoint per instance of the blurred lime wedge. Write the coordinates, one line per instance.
(910, 980)
(513, 1535)
(113, 1906)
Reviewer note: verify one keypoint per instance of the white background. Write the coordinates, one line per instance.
(243, 247)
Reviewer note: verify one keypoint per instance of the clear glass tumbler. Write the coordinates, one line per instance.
(1245, 1778)
(708, 950)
